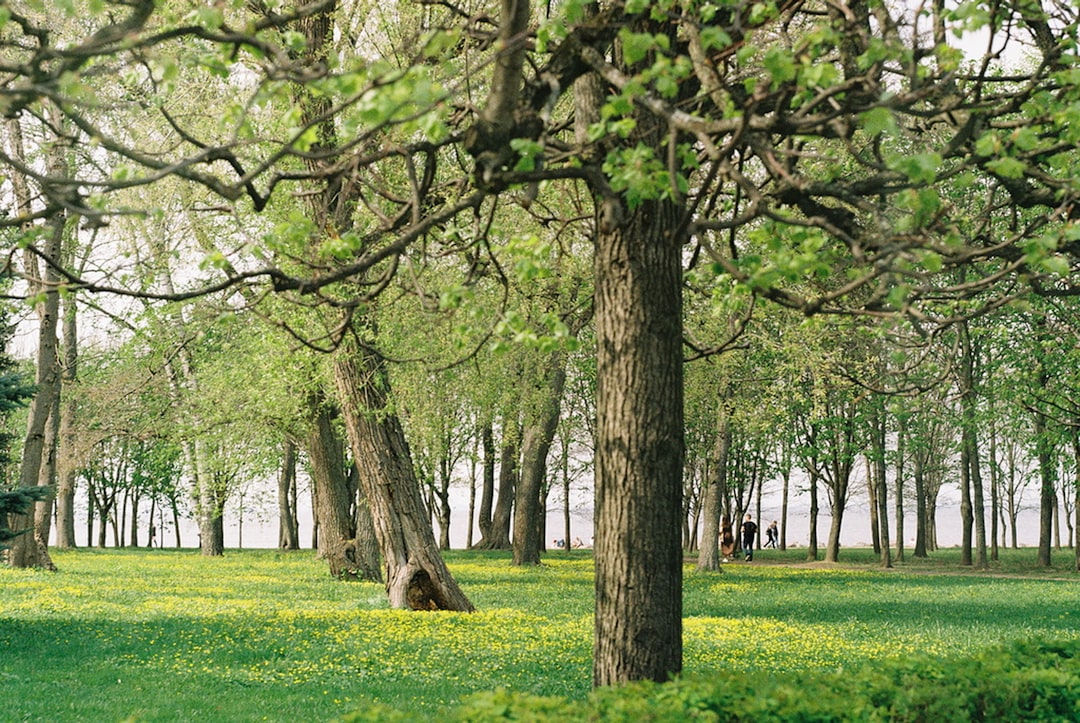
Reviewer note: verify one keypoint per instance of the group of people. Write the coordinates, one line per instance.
(748, 531)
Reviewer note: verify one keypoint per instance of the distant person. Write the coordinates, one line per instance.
(560, 543)
(578, 543)
(749, 532)
(772, 535)
(727, 540)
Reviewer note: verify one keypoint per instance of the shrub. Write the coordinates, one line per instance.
(1032, 681)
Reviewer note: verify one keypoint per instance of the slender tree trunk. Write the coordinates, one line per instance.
(921, 512)
(878, 432)
(640, 443)
(416, 574)
(67, 472)
(901, 443)
(972, 500)
(995, 493)
(709, 551)
(487, 488)
(27, 550)
(812, 542)
(498, 537)
(786, 475)
(472, 497)
(288, 530)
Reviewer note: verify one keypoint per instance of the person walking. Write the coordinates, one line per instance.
(749, 533)
(772, 533)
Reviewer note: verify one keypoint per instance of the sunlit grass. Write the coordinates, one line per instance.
(264, 635)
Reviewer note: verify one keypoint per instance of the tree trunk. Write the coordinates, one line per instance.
(27, 550)
(67, 473)
(921, 512)
(878, 435)
(873, 504)
(812, 542)
(288, 529)
(334, 509)
(536, 443)
(709, 551)
(498, 537)
(901, 441)
(640, 444)
(367, 543)
(416, 574)
(487, 489)
(208, 513)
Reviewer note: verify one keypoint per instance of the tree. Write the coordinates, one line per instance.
(720, 128)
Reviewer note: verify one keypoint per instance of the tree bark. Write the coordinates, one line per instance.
(416, 574)
(27, 550)
(901, 442)
(288, 529)
(640, 443)
(487, 484)
(66, 472)
(878, 430)
(498, 535)
(535, 446)
(334, 497)
(709, 551)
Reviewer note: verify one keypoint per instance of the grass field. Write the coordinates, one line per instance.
(265, 635)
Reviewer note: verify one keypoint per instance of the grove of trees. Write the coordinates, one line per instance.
(684, 248)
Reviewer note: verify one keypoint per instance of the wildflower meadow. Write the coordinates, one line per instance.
(268, 636)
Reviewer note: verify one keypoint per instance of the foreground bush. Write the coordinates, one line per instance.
(1035, 681)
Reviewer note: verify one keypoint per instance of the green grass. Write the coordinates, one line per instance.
(264, 635)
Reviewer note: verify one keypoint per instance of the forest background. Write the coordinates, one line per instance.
(682, 249)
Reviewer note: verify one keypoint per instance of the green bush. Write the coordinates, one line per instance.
(1033, 681)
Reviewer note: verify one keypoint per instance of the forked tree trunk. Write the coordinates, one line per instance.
(334, 496)
(497, 536)
(538, 436)
(416, 574)
(640, 442)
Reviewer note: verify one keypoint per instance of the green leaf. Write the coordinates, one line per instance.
(1007, 167)
(877, 121)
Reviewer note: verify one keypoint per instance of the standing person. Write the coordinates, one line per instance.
(727, 540)
(773, 535)
(749, 532)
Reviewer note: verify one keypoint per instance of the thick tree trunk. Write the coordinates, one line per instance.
(640, 443)
(536, 443)
(335, 497)
(288, 529)
(416, 574)
(367, 543)
(208, 512)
